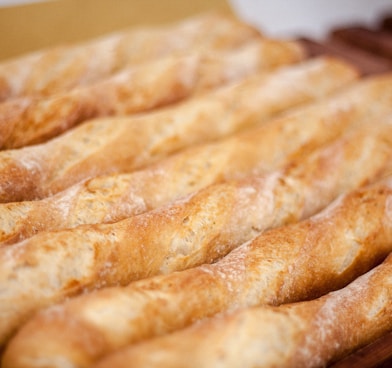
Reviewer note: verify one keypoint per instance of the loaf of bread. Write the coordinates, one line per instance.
(197, 229)
(110, 145)
(256, 151)
(288, 264)
(61, 68)
(31, 119)
(308, 334)
(187, 195)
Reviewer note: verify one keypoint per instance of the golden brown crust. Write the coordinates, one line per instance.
(112, 198)
(110, 145)
(292, 263)
(257, 151)
(194, 230)
(310, 334)
(64, 67)
(257, 55)
(222, 224)
(31, 120)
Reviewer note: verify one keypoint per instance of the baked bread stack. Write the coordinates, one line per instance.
(164, 202)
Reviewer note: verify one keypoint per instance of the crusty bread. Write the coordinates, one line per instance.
(165, 192)
(31, 119)
(296, 262)
(61, 68)
(255, 56)
(124, 144)
(193, 230)
(308, 334)
(257, 151)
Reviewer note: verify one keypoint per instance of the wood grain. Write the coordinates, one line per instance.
(377, 354)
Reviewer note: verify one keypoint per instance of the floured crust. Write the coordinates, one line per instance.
(194, 220)
(297, 262)
(257, 151)
(191, 231)
(31, 119)
(309, 334)
(61, 68)
(118, 144)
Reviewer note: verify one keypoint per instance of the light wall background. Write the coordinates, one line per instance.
(296, 17)
(309, 17)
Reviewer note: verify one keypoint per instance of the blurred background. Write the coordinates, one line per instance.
(26, 25)
(309, 17)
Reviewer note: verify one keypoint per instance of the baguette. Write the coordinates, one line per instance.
(197, 229)
(104, 146)
(62, 68)
(308, 334)
(279, 266)
(31, 119)
(262, 149)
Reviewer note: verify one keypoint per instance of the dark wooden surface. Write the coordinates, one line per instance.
(378, 354)
(370, 50)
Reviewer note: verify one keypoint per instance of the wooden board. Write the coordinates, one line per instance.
(378, 354)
